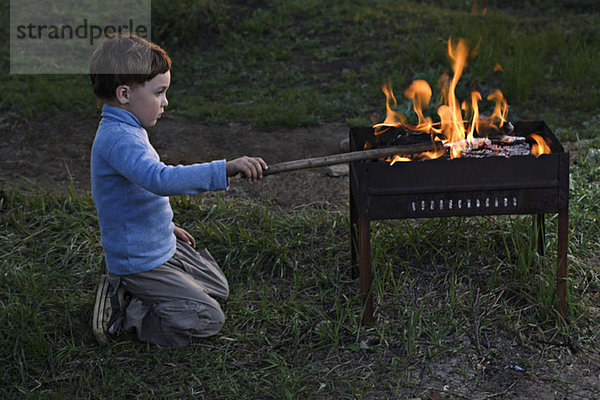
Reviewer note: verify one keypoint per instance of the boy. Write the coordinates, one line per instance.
(157, 283)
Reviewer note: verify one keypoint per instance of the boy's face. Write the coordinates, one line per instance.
(148, 102)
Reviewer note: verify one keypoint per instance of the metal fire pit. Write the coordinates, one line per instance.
(459, 187)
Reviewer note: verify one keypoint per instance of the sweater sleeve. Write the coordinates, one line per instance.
(137, 161)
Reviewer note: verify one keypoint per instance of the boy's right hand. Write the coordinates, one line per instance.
(251, 167)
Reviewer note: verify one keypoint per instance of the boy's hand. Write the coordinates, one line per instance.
(184, 236)
(251, 167)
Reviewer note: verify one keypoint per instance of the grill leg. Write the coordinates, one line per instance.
(366, 274)
(539, 229)
(353, 244)
(539, 232)
(561, 270)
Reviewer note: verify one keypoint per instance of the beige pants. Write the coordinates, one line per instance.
(176, 300)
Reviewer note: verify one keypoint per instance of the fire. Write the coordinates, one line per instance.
(420, 94)
(500, 109)
(453, 125)
(475, 99)
(432, 155)
(540, 147)
(392, 118)
(459, 122)
(398, 158)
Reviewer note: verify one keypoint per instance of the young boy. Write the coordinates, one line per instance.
(157, 283)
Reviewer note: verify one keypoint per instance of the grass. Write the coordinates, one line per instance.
(298, 63)
(442, 287)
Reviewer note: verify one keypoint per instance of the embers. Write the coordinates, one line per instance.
(496, 143)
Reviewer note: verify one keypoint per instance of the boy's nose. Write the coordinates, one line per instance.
(165, 102)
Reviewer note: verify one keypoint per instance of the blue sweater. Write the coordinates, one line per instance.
(130, 186)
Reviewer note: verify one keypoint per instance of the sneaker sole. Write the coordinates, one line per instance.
(98, 315)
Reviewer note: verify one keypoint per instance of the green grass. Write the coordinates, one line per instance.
(275, 64)
(441, 287)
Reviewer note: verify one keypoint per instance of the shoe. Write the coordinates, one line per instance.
(109, 311)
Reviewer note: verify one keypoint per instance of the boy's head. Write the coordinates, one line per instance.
(125, 60)
(134, 74)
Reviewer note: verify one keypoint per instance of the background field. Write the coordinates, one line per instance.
(460, 313)
(290, 63)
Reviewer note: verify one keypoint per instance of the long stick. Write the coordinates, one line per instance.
(348, 157)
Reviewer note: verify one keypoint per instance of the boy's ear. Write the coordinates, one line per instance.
(122, 93)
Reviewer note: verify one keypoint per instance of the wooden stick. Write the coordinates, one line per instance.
(349, 157)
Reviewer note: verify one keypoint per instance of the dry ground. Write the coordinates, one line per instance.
(47, 153)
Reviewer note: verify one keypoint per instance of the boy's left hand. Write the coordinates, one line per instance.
(184, 236)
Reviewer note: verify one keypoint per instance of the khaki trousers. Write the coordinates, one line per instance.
(175, 301)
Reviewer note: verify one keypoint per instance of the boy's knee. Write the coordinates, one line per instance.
(198, 319)
(210, 320)
(224, 290)
(216, 314)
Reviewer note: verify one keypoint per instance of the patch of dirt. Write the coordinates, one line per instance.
(49, 153)
(503, 368)
(577, 150)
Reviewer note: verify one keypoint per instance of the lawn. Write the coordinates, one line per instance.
(460, 312)
(442, 287)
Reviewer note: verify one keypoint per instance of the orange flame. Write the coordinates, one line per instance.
(540, 147)
(433, 154)
(420, 94)
(398, 158)
(500, 109)
(392, 118)
(475, 99)
(453, 125)
(452, 130)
